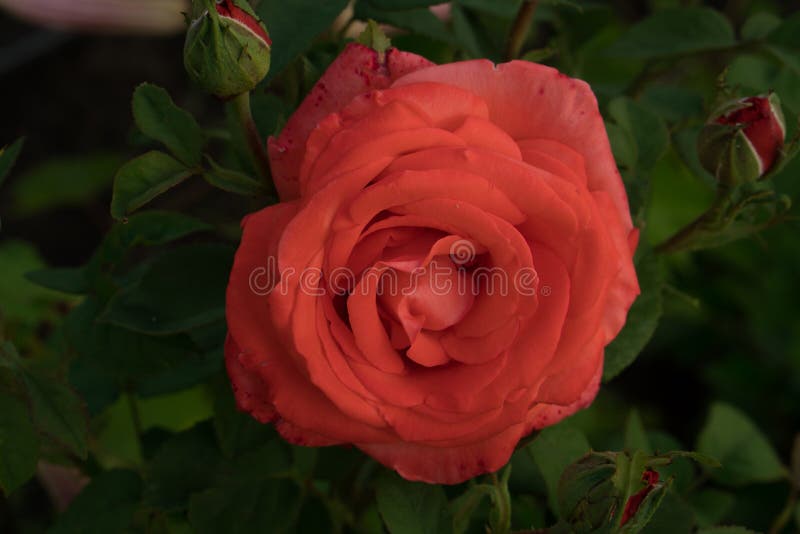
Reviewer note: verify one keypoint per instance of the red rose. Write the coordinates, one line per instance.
(743, 139)
(390, 172)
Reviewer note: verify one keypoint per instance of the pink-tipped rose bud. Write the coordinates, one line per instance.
(227, 48)
(650, 480)
(607, 492)
(743, 139)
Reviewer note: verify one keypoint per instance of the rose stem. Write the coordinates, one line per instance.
(258, 150)
(786, 514)
(136, 418)
(683, 239)
(503, 503)
(520, 29)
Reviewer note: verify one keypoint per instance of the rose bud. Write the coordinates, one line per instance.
(227, 49)
(635, 501)
(587, 496)
(743, 139)
(591, 493)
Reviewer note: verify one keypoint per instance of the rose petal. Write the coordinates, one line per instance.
(357, 70)
(527, 100)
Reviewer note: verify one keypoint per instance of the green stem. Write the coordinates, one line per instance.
(520, 29)
(786, 514)
(256, 146)
(502, 522)
(136, 419)
(684, 238)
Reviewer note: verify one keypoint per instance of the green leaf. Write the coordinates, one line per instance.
(680, 468)
(746, 455)
(673, 516)
(263, 505)
(412, 507)
(70, 280)
(237, 432)
(64, 181)
(55, 409)
(158, 117)
(702, 459)
(19, 444)
(505, 10)
(647, 130)
(466, 32)
(554, 449)
(290, 39)
(635, 435)
(151, 228)
(674, 103)
(788, 33)
(623, 146)
(232, 181)
(187, 462)
(8, 157)
(419, 20)
(181, 290)
(111, 359)
(21, 300)
(643, 319)
(726, 530)
(403, 4)
(711, 506)
(675, 31)
(107, 504)
(759, 25)
(269, 113)
(142, 179)
(539, 55)
(179, 411)
(373, 37)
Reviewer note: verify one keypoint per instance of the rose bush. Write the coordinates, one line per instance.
(388, 164)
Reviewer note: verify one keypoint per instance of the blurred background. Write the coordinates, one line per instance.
(731, 324)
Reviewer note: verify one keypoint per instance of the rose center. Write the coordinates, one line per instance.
(417, 302)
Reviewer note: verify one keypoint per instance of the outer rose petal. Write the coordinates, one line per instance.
(251, 392)
(529, 100)
(544, 415)
(451, 465)
(356, 71)
(263, 369)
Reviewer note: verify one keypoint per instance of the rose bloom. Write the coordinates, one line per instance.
(393, 166)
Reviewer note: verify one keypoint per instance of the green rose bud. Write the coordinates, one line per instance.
(227, 49)
(609, 492)
(587, 497)
(743, 139)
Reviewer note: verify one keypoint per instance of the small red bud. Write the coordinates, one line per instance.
(650, 478)
(229, 10)
(762, 123)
